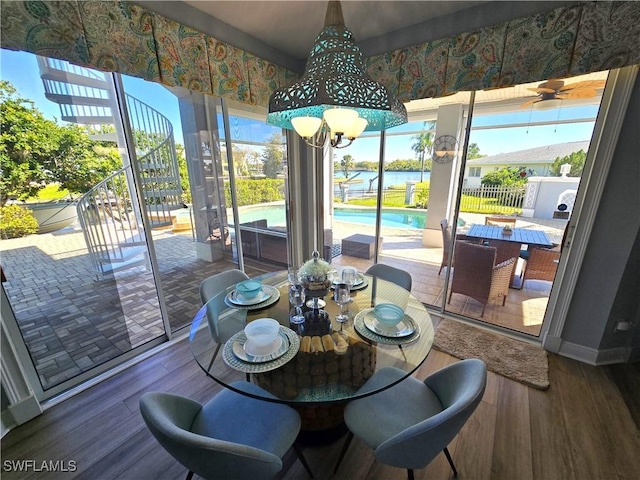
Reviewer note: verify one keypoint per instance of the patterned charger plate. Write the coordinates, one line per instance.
(362, 329)
(273, 295)
(290, 339)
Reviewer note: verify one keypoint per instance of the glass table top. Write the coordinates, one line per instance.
(321, 361)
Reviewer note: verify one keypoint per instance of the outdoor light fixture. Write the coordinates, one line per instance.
(335, 99)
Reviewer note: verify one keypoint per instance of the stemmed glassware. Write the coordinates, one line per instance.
(296, 297)
(342, 296)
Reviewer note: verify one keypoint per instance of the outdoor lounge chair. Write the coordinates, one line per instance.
(476, 274)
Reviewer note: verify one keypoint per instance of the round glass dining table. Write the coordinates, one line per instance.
(320, 364)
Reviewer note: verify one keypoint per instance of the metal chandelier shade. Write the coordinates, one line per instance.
(335, 78)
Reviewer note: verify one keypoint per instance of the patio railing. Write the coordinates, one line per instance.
(112, 231)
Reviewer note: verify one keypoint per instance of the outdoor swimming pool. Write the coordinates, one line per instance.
(392, 218)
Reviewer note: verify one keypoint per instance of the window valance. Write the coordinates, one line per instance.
(124, 37)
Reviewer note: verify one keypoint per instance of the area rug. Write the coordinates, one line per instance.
(514, 359)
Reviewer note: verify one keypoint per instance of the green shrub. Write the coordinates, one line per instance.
(255, 191)
(16, 221)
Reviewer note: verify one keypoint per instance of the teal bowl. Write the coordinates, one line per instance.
(249, 288)
(388, 314)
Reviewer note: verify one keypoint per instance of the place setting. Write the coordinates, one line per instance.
(262, 346)
(351, 276)
(386, 323)
(252, 295)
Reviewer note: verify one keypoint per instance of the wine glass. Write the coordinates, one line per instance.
(292, 275)
(297, 317)
(296, 295)
(342, 296)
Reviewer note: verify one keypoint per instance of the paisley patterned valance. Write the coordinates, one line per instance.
(123, 37)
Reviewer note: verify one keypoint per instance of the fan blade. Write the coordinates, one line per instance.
(581, 93)
(590, 84)
(530, 102)
(542, 90)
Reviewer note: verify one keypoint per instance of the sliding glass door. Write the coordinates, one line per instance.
(75, 250)
(519, 187)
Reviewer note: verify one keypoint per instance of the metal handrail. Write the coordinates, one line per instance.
(105, 212)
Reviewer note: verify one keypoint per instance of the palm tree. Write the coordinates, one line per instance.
(422, 144)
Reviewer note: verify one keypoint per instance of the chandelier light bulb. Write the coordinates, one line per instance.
(340, 119)
(306, 127)
(356, 128)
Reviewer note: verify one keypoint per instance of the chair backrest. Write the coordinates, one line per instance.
(459, 387)
(504, 249)
(212, 292)
(473, 270)
(219, 282)
(446, 237)
(391, 274)
(500, 221)
(169, 418)
(542, 264)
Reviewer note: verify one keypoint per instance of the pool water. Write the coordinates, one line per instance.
(392, 218)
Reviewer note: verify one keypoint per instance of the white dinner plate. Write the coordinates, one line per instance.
(403, 328)
(262, 351)
(235, 357)
(268, 297)
(239, 299)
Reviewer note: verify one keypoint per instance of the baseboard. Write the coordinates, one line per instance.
(634, 355)
(593, 356)
(6, 422)
(613, 355)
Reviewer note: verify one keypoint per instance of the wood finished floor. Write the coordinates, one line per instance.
(581, 428)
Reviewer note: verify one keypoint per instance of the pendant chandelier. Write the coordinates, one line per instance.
(335, 99)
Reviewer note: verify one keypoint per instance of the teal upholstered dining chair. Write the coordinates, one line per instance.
(213, 290)
(408, 424)
(391, 274)
(231, 436)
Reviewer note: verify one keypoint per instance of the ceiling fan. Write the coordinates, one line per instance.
(552, 92)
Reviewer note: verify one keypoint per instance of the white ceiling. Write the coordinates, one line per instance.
(291, 26)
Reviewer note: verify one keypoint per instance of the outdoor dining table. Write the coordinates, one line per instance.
(524, 236)
(326, 362)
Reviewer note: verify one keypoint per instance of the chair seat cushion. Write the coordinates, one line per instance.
(381, 416)
(272, 427)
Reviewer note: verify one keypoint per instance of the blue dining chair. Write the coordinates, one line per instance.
(212, 292)
(231, 436)
(391, 274)
(408, 424)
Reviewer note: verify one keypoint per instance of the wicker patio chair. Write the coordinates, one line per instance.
(446, 243)
(504, 251)
(541, 264)
(476, 274)
(500, 221)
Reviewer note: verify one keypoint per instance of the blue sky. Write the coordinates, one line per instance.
(22, 71)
